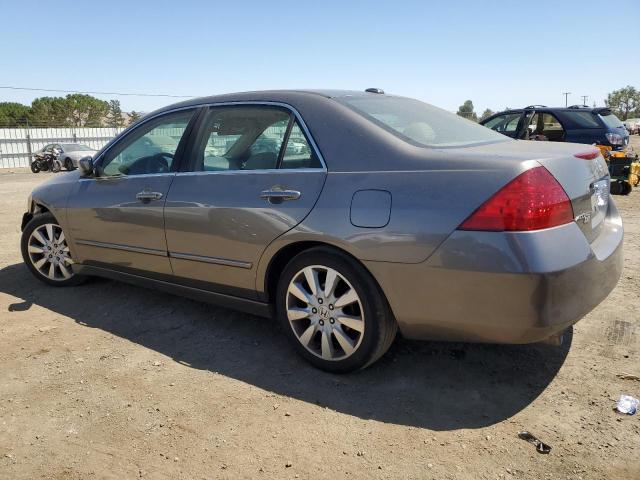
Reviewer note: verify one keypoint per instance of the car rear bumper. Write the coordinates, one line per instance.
(493, 287)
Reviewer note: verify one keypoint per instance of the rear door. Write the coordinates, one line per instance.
(254, 174)
(116, 218)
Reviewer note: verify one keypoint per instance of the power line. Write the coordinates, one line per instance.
(98, 93)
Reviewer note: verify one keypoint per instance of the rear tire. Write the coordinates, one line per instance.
(68, 164)
(615, 188)
(333, 311)
(46, 253)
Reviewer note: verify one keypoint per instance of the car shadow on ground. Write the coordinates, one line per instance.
(440, 386)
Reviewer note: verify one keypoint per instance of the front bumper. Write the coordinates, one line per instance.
(520, 287)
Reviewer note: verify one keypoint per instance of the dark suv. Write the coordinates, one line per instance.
(577, 124)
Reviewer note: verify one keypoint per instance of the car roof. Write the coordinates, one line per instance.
(555, 109)
(276, 96)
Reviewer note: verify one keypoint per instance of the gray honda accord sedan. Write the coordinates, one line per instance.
(347, 215)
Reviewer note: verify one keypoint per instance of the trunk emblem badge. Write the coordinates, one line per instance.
(583, 217)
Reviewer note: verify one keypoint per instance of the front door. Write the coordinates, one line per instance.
(254, 174)
(116, 217)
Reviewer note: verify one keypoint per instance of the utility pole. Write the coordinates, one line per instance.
(566, 98)
(584, 99)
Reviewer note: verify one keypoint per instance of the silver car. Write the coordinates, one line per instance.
(68, 153)
(348, 215)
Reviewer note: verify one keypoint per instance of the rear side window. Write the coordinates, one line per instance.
(611, 121)
(583, 119)
(419, 123)
(251, 137)
(298, 153)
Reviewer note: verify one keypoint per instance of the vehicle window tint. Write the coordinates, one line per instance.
(504, 123)
(419, 123)
(545, 126)
(150, 148)
(583, 119)
(611, 121)
(241, 138)
(298, 153)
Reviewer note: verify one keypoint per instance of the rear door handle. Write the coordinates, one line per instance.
(147, 196)
(278, 196)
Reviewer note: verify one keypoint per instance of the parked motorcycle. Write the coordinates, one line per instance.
(46, 161)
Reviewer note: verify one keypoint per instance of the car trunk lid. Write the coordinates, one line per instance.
(585, 178)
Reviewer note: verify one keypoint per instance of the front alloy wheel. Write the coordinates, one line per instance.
(46, 252)
(49, 253)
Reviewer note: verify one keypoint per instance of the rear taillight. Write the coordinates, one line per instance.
(590, 155)
(531, 201)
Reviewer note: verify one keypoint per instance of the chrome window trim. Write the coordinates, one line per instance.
(291, 109)
(258, 171)
(113, 178)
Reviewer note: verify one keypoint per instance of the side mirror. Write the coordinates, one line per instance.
(85, 165)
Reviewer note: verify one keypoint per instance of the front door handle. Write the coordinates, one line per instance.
(279, 196)
(147, 196)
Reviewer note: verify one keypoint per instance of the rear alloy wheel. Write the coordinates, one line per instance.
(333, 311)
(46, 253)
(325, 312)
(68, 164)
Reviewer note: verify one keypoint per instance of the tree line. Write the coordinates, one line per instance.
(624, 103)
(74, 110)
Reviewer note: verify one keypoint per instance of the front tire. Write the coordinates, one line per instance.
(68, 164)
(35, 167)
(333, 311)
(46, 253)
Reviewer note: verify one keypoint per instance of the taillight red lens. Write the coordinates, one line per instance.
(531, 201)
(590, 155)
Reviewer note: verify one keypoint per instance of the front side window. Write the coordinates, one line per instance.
(150, 148)
(251, 137)
(507, 123)
(419, 123)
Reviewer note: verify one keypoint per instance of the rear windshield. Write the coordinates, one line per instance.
(74, 147)
(419, 123)
(611, 121)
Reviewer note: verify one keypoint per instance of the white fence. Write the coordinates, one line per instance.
(17, 145)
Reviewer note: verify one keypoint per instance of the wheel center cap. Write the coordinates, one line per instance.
(323, 312)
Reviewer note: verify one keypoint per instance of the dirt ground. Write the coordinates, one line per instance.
(107, 380)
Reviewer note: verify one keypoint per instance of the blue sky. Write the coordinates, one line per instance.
(496, 53)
